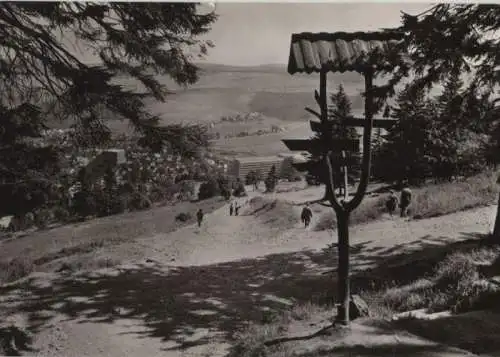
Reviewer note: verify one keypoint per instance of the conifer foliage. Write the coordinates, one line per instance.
(42, 76)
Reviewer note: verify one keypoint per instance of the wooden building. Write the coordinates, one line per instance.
(240, 167)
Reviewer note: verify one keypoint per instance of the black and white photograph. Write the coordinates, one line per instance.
(249, 179)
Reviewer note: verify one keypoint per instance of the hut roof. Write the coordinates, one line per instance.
(256, 159)
(342, 51)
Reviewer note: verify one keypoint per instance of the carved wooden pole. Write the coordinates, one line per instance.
(343, 209)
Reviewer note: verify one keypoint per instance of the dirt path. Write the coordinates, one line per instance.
(199, 285)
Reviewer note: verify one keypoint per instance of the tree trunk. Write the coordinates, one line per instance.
(343, 267)
(496, 229)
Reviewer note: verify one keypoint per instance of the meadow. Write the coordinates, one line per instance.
(222, 90)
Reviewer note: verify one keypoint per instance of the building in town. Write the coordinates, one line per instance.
(240, 167)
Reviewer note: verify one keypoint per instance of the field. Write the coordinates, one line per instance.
(279, 97)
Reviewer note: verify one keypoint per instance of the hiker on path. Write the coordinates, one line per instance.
(231, 209)
(199, 217)
(405, 200)
(392, 203)
(306, 216)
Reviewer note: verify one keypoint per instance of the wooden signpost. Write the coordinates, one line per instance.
(365, 53)
(330, 155)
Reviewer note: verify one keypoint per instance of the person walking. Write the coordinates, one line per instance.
(306, 216)
(391, 203)
(236, 210)
(405, 200)
(199, 217)
(231, 209)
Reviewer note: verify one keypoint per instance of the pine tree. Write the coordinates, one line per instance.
(406, 153)
(447, 33)
(42, 81)
(340, 108)
(450, 102)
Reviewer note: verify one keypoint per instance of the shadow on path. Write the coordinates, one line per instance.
(175, 302)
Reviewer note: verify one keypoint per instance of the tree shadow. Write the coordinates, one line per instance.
(175, 303)
(14, 341)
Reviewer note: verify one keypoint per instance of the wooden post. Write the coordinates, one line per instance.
(322, 97)
(344, 294)
(345, 209)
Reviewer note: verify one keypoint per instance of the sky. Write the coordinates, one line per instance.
(249, 34)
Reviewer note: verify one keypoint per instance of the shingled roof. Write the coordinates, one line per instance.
(341, 51)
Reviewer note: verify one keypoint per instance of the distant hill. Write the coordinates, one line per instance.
(228, 90)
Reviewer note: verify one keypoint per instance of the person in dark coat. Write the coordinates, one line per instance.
(236, 210)
(231, 209)
(199, 217)
(405, 200)
(392, 203)
(306, 216)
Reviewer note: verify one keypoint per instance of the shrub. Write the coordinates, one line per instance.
(183, 217)
(208, 189)
(60, 213)
(84, 203)
(239, 190)
(137, 202)
(28, 220)
(43, 217)
(288, 172)
(187, 190)
(226, 185)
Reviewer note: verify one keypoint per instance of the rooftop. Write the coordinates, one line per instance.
(252, 159)
(342, 51)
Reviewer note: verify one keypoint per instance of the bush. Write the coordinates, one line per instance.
(239, 190)
(183, 217)
(28, 220)
(208, 189)
(43, 217)
(84, 204)
(288, 172)
(137, 202)
(187, 190)
(61, 214)
(226, 185)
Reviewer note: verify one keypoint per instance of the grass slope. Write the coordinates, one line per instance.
(20, 256)
(429, 201)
